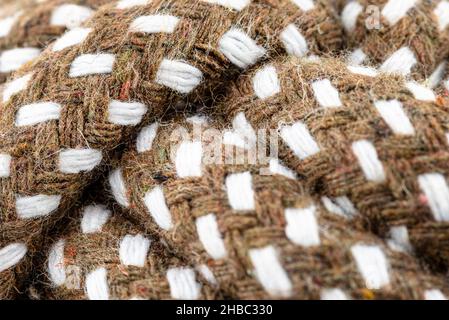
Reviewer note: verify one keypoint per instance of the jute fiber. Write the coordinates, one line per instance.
(254, 225)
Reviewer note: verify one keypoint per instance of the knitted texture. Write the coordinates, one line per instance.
(68, 111)
(377, 139)
(261, 235)
(404, 37)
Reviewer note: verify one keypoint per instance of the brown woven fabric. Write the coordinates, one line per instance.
(380, 28)
(364, 137)
(260, 234)
(94, 105)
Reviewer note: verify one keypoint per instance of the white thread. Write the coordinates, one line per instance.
(126, 113)
(341, 206)
(299, 139)
(372, 265)
(71, 38)
(146, 137)
(178, 75)
(294, 42)
(233, 139)
(133, 250)
(269, 271)
(118, 187)
(154, 24)
(94, 218)
(155, 202)
(11, 60)
(5, 163)
(420, 92)
(326, 95)
(7, 23)
(11, 255)
(437, 75)
(434, 294)
(35, 113)
(304, 5)
(446, 84)
(333, 294)
(77, 160)
(207, 274)
(356, 57)
(210, 236)
(97, 285)
(436, 190)
(369, 161)
(183, 284)
(302, 227)
(364, 71)
(441, 11)
(87, 64)
(15, 86)
(70, 15)
(56, 266)
(266, 82)
(395, 10)
(126, 4)
(395, 117)
(350, 14)
(399, 239)
(240, 49)
(233, 4)
(188, 159)
(28, 207)
(277, 168)
(198, 119)
(400, 62)
(244, 130)
(240, 192)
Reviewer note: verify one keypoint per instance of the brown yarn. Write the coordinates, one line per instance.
(310, 267)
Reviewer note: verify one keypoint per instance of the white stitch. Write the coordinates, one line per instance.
(56, 265)
(442, 13)
(157, 23)
(87, 64)
(35, 113)
(434, 294)
(146, 137)
(11, 255)
(11, 60)
(94, 218)
(302, 227)
(350, 14)
(364, 71)
(341, 206)
(126, 113)
(5, 163)
(210, 236)
(395, 117)
(71, 38)
(240, 191)
(266, 82)
(446, 84)
(356, 57)
(97, 285)
(437, 75)
(233, 4)
(326, 95)
(78, 160)
(70, 15)
(294, 42)
(277, 168)
(395, 10)
(420, 92)
(372, 265)
(333, 294)
(198, 119)
(155, 202)
(299, 139)
(244, 129)
(234, 139)
(15, 86)
(436, 190)
(36, 206)
(400, 62)
(240, 49)
(399, 239)
(7, 23)
(133, 250)
(183, 284)
(178, 75)
(304, 5)
(188, 159)
(207, 274)
(118, 187)
(269, 271)
(125, 4)
(366, 154)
